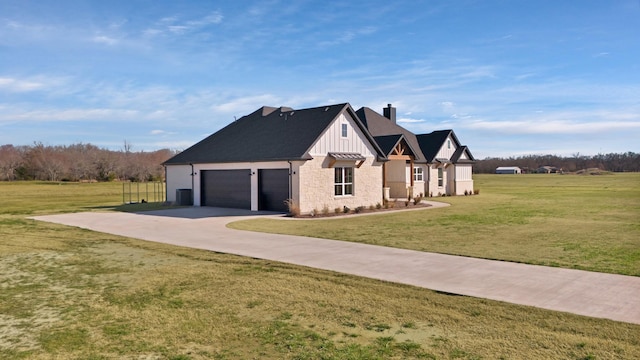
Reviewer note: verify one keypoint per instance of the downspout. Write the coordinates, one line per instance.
(193, 192)
(290, 180)
(166, 190)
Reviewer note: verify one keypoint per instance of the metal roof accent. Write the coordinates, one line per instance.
(347, 156)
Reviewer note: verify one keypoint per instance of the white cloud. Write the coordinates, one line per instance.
(96, 114)
(410, 121)
(245, 105)
(19, 85)
(173, 25)
(104, 40)
(549, 126)
(178, 29)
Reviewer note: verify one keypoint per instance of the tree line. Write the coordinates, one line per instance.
(80, 162)
(616, 162)
(86, 162)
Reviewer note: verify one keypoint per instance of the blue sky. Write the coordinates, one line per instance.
(509, 77)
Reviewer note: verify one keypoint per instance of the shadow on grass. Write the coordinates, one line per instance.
(137, 207)
(186, 212)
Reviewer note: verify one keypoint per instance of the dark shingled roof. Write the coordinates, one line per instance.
(459, 151)
(432, 142)
(267, 134)
(379, 126)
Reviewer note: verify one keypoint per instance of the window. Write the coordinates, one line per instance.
(417, 174)
(344, 130)
(440, 177)
(448, 144)
(343, 180)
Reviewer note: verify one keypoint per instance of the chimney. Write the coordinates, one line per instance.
(390, 113)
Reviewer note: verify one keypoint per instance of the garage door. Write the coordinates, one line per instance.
(273, 189)
(226, 188)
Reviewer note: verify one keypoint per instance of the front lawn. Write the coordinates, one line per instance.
(581, 222)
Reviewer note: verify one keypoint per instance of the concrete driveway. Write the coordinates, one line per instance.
(608, 296)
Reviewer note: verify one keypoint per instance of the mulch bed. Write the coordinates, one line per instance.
(390, 206)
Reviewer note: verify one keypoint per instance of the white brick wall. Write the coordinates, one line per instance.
(317, 185)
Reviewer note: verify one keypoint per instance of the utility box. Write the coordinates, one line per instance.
(183, 197)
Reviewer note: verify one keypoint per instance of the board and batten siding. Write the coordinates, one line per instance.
(332, 141)
(446, 151)
(463, 172)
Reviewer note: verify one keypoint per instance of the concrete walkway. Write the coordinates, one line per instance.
(609, 296)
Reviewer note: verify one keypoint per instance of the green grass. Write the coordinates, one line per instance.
(582, 222)
(68, 293)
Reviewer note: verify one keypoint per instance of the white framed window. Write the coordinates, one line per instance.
(418, 174)
(343, 181)
(344, 130)
(449, 144)
(440, 177)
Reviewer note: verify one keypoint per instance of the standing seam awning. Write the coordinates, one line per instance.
(342, 156)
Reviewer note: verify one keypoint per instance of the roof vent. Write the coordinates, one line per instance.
(326, 109)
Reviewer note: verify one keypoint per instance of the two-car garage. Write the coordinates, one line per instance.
(232, 188)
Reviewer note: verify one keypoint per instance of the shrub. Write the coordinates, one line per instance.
(294, 209)
(476, 191)
(325, 209)
(337, 210)
(406, 203)
(345, 209)
(417, 199)
(466, 193)
(391, 204)
(378, 206)
(372, 207)
(359, 209)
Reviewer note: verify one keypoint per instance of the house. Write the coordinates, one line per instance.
(320, 158)
(508, 170)
(431, 164)
(547, 170)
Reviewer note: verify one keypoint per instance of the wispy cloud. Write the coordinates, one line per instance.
(173, 25)
(406, 120)
(65, 115)
(244, 105)
(555, 124)
(101, 39)
(19, 85)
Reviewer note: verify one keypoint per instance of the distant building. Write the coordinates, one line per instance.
(508, 170)
(548, 170)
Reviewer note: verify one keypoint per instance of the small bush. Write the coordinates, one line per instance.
(466, 193)
(391, 204)
(378, 206)
(476, 191)
(325, 209)
(417, 199)
(372, 207)
(337, 210)
(406, 203)
(294, 209)
(345, 209)
(359, 209)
